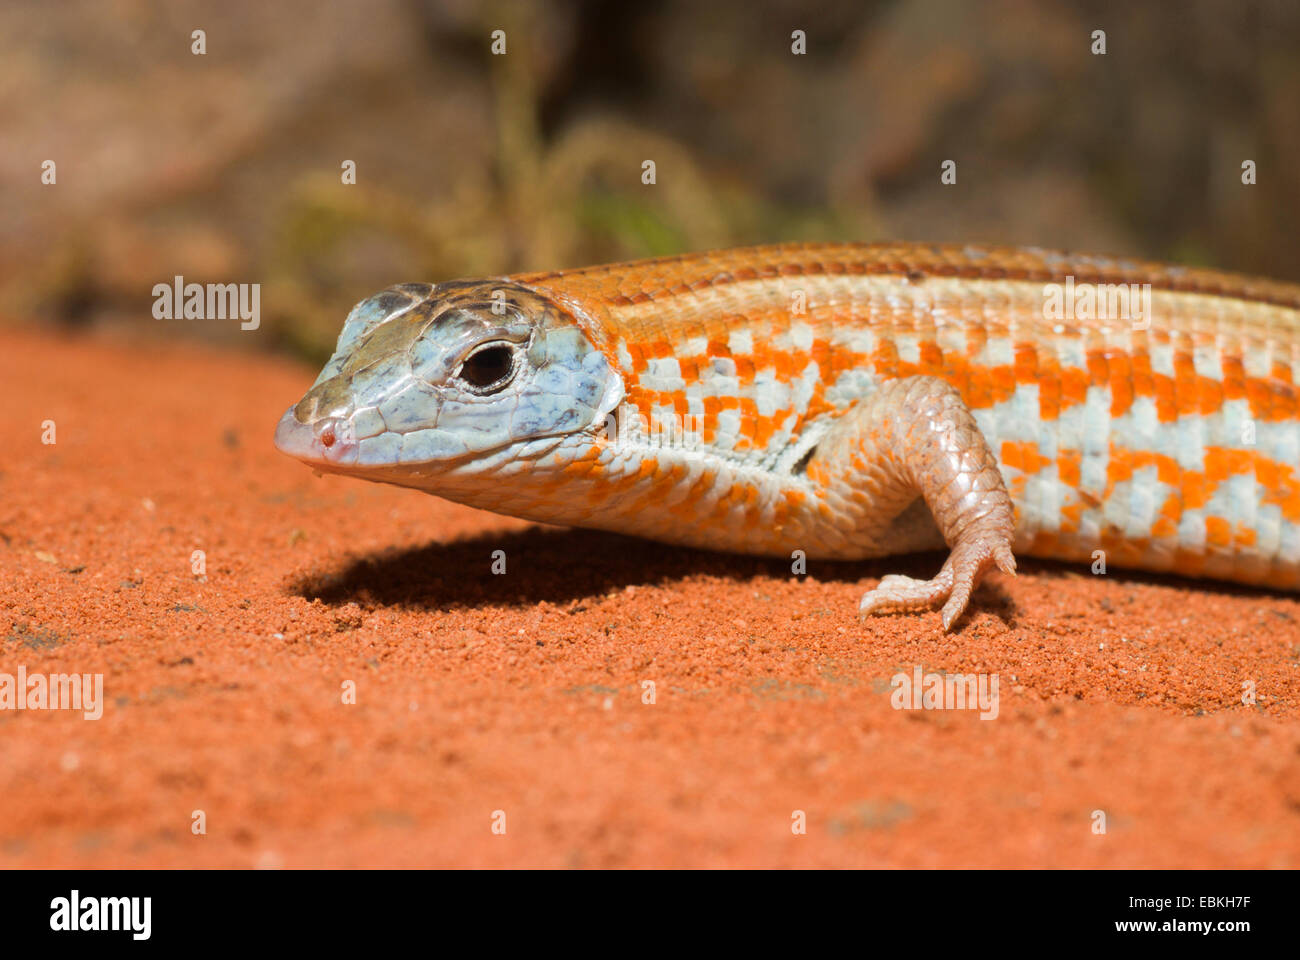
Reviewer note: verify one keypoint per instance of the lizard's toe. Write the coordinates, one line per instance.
(897, 593)
(964, 569)
(968, 563)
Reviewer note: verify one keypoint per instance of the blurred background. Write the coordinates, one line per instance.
(226, 167)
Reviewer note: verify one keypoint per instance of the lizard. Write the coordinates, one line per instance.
(850, 401)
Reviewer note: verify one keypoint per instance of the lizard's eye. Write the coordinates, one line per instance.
(488, 369)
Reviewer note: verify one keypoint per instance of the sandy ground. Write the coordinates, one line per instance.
(523, 693)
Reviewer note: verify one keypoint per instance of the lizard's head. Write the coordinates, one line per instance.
(427, 379)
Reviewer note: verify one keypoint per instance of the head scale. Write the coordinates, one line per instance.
(429, 379)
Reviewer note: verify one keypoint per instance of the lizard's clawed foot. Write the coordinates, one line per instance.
(964, 569)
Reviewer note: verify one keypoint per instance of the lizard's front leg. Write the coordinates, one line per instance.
(914, 437)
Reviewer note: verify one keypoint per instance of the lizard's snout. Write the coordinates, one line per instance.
(325, 441)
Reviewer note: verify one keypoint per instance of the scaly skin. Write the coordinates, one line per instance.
(848, 401)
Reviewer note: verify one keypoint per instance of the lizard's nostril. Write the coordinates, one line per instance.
(330, 431)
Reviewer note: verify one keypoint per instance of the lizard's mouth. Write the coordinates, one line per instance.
(330, 445)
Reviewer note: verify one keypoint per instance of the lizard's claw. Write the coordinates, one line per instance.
(965, 567)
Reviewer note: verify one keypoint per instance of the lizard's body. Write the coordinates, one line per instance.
(775, 399)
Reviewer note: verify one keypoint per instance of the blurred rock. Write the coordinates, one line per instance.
(226, 167)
